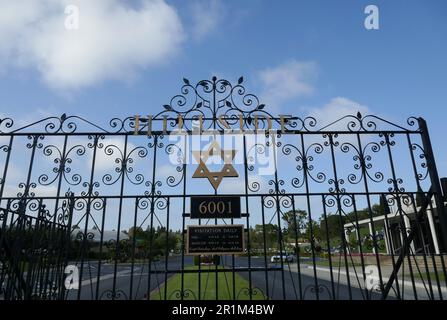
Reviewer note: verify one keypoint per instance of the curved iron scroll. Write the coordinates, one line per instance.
(213, 100)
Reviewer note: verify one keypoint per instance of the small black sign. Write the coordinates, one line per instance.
(220, 207)
(222, 239)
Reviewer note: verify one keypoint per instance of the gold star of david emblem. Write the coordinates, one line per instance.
(215, 177)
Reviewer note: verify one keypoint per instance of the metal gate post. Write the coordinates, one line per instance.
(434, 177)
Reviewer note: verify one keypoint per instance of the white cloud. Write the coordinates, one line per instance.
(206, 16)
(237, 185)
(40, 191)
(292, 79)
(167, 170)
(335, 109)
(114, 39)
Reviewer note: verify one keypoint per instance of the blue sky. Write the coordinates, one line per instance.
(300, 57)
(396, 71)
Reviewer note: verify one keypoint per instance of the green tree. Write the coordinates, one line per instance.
(331, 226)
(295, 222)
(269, 231)
(138, 233)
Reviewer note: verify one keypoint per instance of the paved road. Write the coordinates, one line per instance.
(277, 284)
(294, 282)
(131, 282)
(296, 285)
(301, 283)
(267, 283)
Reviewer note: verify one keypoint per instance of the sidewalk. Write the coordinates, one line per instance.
(356, 279)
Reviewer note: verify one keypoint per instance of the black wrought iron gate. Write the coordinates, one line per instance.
(350, 210)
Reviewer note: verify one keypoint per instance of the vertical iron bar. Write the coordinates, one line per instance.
(338, 191)
(296, 231)
(87, 213)
(120, 209)
(384, 204)
(247, 218)
(362, 259)
(309, 217)
(419, 189)
(59, 184)
(429, 280)
(265, 247)
(328, 243)
(434, 177)
(152, 210)
(101, 247)
(278, 215)
(67, 236)
(370, 212)
(399, 207)
(5, 170)
(167, 248)
(182, 284)
(133, 247)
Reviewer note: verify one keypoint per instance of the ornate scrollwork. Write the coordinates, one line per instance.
(5, 148)
(35, 141)
(182, 295)
(124, 162)
(63, 212)
(373, 242)
(341, 202)
(153, 188)
(268, 202)
(362, 160)
(180, 160)
(211, 98)
(336, 186)
(368, 123)
(251, 292)
(396, 185)
(423, 161)
(62, 161)
(90, 188)
(277, 187)
(27, 187)
(254, 150)
(6, 123)
(161, 203)
(254, 186)
(304, 163)
(122, 125)
(82, 236)
(143, 203)
(286, 202)
(113, 295)
(319, 289)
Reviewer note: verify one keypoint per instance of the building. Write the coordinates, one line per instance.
(393, 223)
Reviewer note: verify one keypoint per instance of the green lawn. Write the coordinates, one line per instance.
(432, 276)
(208, 287)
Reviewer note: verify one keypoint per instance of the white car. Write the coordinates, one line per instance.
(285, 257)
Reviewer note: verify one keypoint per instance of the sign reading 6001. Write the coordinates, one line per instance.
(209, 207)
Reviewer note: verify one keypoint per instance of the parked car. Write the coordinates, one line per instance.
(338, 249)
(286, 257)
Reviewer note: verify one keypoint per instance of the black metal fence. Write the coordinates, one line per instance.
(350, 210)
(33, 251)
